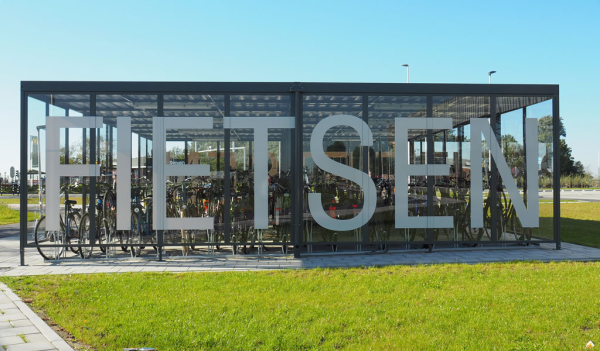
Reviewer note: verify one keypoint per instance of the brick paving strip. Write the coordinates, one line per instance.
(21, 329)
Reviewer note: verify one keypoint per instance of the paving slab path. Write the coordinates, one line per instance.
(18, 319)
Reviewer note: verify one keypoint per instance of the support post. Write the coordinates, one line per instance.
(430, 178)
(365, 161)
(556, 168)
(297, 173)
(227, 175)
(23, 167)
(93, 149)
(160, 162)
(494, 179)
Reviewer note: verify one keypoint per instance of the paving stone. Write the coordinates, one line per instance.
(35, 338)
(20, 323)
(11, 340)
(34, 346)
(11, 317)
(17, 331)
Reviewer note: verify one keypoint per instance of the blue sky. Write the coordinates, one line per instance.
(526, 42)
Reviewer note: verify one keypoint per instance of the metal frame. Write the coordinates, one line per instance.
(296, 91)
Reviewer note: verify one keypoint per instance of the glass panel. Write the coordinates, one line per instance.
(453, 147)
(195, 196)
(512, 114)
(141, 239)
(249, 239)
(73, 144)
(383, 110)
(340, 198)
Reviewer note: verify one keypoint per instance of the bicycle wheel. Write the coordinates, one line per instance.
(109, 203)
(43, 237)
(135, 236)
(109, 236)
(84, 237)
(72, 234)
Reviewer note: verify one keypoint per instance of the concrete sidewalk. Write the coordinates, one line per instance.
(9, 259)
(21, 329)
(18, 319)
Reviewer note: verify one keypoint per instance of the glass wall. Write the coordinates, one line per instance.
(259, 221)
(513, 114)
(189, 196)
(383, 111)
(333, 196)
(434, 164)
(452, 147)
(70, 146)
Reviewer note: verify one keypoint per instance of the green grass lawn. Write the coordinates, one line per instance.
(14, 201)
(476, 307)
(579, 223)
(8, 216)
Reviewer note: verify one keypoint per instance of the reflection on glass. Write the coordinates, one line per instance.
(190, 196)
(340, 198)
(453, 147)
(245, 235)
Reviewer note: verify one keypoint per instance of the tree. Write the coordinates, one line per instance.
(337, 146)
(545, 128)
(568, 165)
(512, 151)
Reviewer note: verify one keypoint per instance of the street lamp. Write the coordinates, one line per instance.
(406, 65)
(490, 76)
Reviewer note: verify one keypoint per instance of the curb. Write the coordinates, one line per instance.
(48, 332)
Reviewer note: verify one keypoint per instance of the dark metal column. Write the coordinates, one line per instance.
(145, 158)
(250, 143)
(227, 175)
(218, 155)
(430, 179)
(67, 146)
(158, 163)
(185, 152)
(67, 155)
(444, 149)
(93, 149)
(365, 162)
(494, 179)
(524, 156)
(297, 173)
(84, 151)
(23, 167)
(110, 153)
(459, 168)
(107, 150)
(139, 158)
(556, 168)
(97, 146)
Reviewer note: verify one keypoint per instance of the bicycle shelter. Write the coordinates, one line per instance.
(287, 168)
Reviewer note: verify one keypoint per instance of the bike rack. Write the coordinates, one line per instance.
(309, 234)
(259, 239)
(210, 234)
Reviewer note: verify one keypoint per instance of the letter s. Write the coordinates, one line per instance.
(355, 175)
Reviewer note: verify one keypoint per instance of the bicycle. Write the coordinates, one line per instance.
(68, 232)
(141, 222)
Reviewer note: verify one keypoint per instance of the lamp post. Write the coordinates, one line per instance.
(407, 73)
(490, 76)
